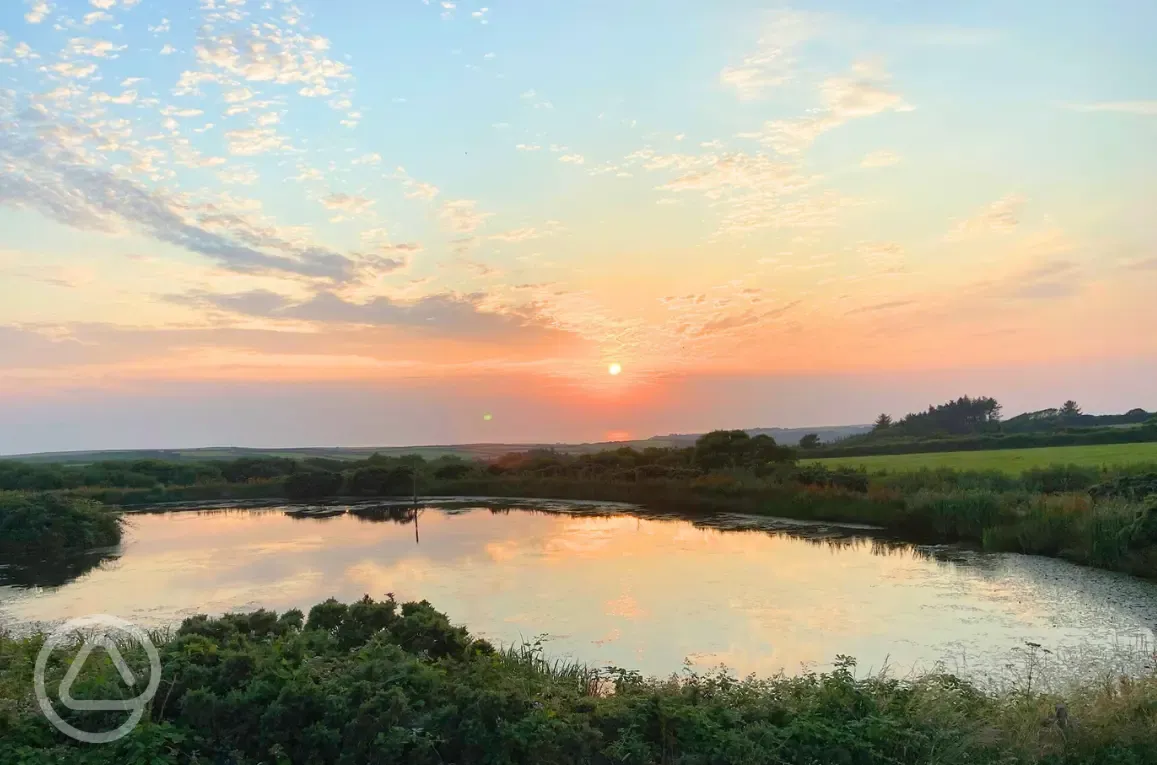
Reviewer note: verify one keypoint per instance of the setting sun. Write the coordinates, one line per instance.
(615, 369)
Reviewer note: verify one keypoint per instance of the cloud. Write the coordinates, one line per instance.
(526, 234)
(461, 216)
(81, 46)
(572, 159)
(41, 173)
(72, 70)
(1123, 107)
(253, 141)
(1050, 279)
(416, 189)
(38, 11)
(752, 191)
(1002, 216)
(773, 63)
(528, 147)
(368, 159)
(878, 307)
(128, 97)
(238, 95)
(882, 158)
(863, 93)
(444, 314)
(268, 53)
(881, 254)
(729, 322)
(241, 176)
(348, 206)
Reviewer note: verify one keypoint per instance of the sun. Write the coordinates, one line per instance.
(615, 369)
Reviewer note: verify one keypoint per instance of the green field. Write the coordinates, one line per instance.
(1009, 460)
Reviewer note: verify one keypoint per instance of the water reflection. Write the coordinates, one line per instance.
(644, 591)
(35, 572)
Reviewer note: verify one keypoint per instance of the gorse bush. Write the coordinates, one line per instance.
(379, 682)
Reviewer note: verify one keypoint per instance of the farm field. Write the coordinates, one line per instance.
(1009, 460)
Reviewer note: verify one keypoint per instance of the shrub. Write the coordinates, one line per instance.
(1059, 479)
(51, 523)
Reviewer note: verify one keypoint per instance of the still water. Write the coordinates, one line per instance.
(610, 586)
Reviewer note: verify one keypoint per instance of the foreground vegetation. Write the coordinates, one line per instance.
(1011, 461)
(380, 682)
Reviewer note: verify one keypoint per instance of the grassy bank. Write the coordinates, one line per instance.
(1011, 461)
(379, 682)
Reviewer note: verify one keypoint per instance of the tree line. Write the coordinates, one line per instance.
(969, 424)
(384, 476)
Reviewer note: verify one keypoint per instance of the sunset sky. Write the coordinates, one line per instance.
(376, 222)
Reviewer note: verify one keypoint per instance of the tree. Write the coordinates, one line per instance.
(1070, 410)
(763, 450)
(722, 449)
(381, 481)
(312, 484)
(883, 422)
(810, 441)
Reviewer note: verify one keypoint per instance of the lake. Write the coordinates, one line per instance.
(609, 585)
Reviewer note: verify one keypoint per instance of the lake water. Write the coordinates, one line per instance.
(611, 587)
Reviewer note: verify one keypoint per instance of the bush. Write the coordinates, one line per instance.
(1134, 487)
(38, 524)
(1060, 479)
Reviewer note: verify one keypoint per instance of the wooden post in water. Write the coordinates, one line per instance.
(417, 512)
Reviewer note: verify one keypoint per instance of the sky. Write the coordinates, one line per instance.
(389, 222)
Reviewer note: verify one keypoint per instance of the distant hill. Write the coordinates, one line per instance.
(786, 436)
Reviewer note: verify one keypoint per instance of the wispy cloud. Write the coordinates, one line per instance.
(890, 305)
(1001, 216)
(462, 215)
(445, 314)
(882, 158)
(865, 92)
(347, 205)
(1147, 108)
(773, 63)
